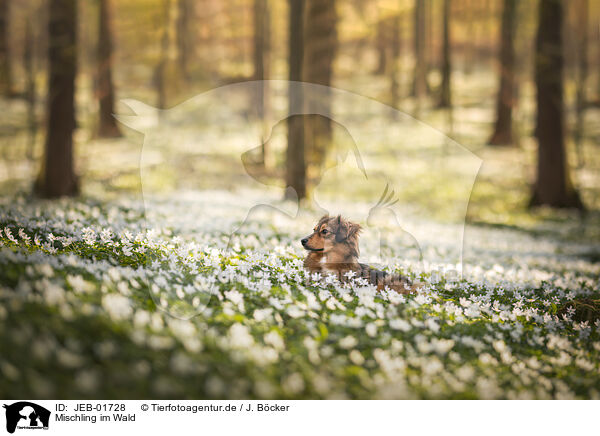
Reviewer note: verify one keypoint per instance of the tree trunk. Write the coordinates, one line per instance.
(184, 36)
(582, 72)
(381, 46)
(395, 60)
(107, 127)
(445, 99)
(261, 69)
(598, 63)
(57, 177)
(419, 87)
(470, 49)
(320, 43)
(167, 73)
(428, 40)
(503, 132)
(160, 70)
(295, 159)
(553, 186)
(5, 73)
(30, 90)
(183, 45)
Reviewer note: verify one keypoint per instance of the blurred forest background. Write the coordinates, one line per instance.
(516, 82)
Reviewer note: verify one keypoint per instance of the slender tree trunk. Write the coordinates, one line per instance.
(598, 63)
(40, 26)
(261, 69)
(320, 44)
(553, 186)
(5, 73)
(381, 46)
(167, 73)
(470, 48)
(107, 127)
(395, 60)
(428, 40)
(182, 28)
(57, 177)
(503, 132)
(30, 90)
(445, 96)
(295, 160)
(582, 73)
(419, 88)
(160, 70)
(160, 73)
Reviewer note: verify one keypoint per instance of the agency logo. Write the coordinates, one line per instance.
(26, 415)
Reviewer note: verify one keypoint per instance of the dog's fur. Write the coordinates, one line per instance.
(333, 249)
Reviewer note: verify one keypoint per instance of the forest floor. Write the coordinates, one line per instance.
(138, 289)
(95, 304)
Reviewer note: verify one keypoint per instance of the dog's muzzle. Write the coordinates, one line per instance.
(304, 244)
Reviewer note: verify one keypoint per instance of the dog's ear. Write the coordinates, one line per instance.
(345, 229)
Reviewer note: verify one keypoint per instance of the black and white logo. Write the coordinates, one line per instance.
(26, 415)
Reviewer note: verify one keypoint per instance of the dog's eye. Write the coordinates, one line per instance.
(324, 231)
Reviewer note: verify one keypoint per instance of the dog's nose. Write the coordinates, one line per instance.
(304, 241)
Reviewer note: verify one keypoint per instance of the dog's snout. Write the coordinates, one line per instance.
(304, 241)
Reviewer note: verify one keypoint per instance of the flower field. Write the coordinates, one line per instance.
(96, 302)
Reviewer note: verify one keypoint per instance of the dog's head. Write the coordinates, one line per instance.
(332, 233)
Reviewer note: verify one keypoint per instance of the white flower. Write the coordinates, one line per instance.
(432, 325)
(45, 269)
(182, 364)
(24, 236)
(88, 235)
(295, 312)
(356, 357)
(127, 250)
(371, 329)
(106, 235)
(141, 318)
(350, 274)
(262, 314)
(400, 324)
(69, 359)
(9, 235)
(53, 294)
(348, 342)
(239, 336)
(293, 384)
(117, 306)
(79, 284)
(235, 297)
(442, 346)
(499, 346)
(272, 338)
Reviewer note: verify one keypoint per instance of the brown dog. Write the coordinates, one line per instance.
(333, 249)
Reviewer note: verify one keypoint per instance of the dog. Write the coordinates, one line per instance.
(333, 249)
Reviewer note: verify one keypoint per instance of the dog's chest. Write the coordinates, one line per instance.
(325, 266)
